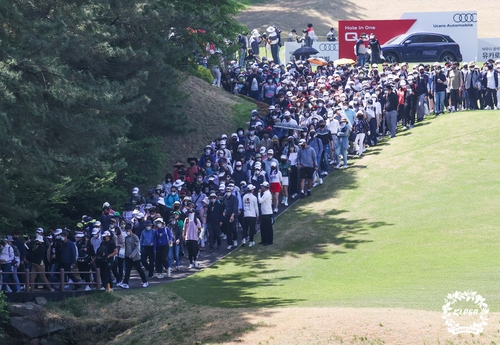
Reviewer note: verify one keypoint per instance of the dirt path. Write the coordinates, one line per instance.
(323, 14)
(358, 326)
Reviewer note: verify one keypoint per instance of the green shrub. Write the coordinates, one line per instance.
(202, 73)
(4, 314)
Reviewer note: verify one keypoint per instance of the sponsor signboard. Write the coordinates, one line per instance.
(384, 30)
(488, 48)
(461, 26)
(327, 50)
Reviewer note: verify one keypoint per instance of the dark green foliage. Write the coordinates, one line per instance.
(4, 313)
(87, 92)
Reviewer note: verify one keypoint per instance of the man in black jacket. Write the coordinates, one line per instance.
(230, 217)
(214, 221)
(254, 83)
(37, 250)
(391, 106)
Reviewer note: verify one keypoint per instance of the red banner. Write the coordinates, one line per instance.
(384, 30)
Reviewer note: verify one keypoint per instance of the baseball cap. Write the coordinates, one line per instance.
(106, 233)
(265, 184)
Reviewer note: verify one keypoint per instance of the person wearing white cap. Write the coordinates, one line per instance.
(55, 255)
(164, 241)
(307, 164)
(132, 258)
(104, 259)
(254, 44)
(274, 41)
(250, 215)
(214, 221)
(86, 254)
(96, 239)
(275, 181)
(230, 217)
(36, 252)
(192, 225)
(266, 214)
(270, 160)
(6, 259)
(136, 198)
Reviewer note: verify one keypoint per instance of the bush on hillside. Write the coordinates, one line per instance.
(202, 73)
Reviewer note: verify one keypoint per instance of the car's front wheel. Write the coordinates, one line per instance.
(447, 56)
(391, 57)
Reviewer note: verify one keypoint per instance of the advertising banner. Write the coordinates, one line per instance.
(461, 26)
(384, 30)
(488, 48)
(327, 50)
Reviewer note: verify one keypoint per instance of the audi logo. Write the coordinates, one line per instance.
(465, 17)
(328, 47)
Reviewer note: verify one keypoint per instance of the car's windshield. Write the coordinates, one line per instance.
(394, 39)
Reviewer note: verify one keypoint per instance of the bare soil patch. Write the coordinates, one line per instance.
(358, 326)
(323, 14)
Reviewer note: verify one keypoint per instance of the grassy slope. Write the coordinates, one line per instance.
(410, 222)
(210, 112)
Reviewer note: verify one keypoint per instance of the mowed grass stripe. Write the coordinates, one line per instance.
(413, 220)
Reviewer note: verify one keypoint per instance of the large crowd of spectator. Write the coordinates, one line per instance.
(318, 118)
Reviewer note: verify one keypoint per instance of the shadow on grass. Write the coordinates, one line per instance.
(238, 280)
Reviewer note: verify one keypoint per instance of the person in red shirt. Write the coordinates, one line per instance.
(401, 100)
(193, 168)
(176, 173)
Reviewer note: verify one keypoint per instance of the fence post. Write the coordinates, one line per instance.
(61, 277)
(98, 278)
(27, 287)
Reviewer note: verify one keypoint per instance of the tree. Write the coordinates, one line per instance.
(82, 81)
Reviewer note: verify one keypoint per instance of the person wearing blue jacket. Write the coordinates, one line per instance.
(148, 242)
(163, 243)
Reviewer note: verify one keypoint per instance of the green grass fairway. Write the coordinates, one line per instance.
(415, 219)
